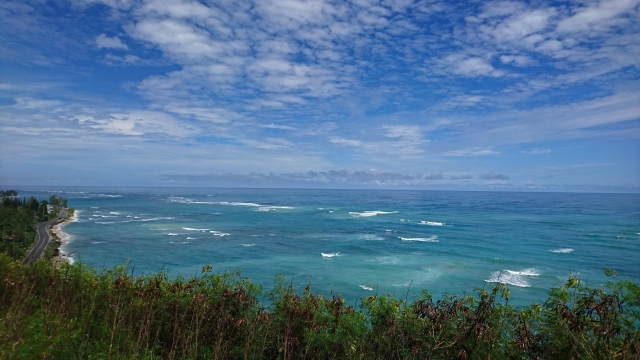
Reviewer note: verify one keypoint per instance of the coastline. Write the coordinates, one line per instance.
(60, 238)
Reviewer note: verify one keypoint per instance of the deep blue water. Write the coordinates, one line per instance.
(357, 242)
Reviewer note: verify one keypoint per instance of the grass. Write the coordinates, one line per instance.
(73, 312)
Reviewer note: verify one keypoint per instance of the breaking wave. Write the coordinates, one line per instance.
(429, 239)
(330, 255)
(431, 223)
(370, 213)
(515, 278)
(562, 251)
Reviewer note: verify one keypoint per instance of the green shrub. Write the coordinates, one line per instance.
(74, 312)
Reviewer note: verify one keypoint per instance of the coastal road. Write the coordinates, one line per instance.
(43, 239)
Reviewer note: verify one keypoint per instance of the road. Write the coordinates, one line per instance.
(43, 239)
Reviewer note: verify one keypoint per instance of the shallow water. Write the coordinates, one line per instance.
(359, 242)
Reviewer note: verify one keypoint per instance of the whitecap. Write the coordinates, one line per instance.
(218, 233)
(330, 255)
(370, 213)
(371, 237)
(98, 242)
(429, 239)
(431, 223)
(562, 251)
(366, 287)
(515, 278)
(194, 229)
(269, 208)
(112, 222)
(252, 244)
(114, 213)
(190, 238)
(172, 234)
(239, 203)
(154, 219)
(524, 272)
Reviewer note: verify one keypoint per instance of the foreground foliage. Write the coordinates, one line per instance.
(73, 312)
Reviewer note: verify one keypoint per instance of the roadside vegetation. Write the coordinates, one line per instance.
(71, 312)
(19, 218)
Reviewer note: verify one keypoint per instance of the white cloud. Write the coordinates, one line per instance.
(30, 103)
(346, 142)
(472, 66)
(409, 138)
(536, 151)
(136, 123)
(105, 42)
(471, 152)
(600, 16)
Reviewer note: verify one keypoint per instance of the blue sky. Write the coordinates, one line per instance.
(537, 95)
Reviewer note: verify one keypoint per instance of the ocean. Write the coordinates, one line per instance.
(357, 243)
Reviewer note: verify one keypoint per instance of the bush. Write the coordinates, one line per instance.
(74, 312)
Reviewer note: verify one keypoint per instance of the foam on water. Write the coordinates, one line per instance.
(562, 251)
(270, 208)
(429, 239)
(218, 233)
(330, 255)
(239, 204)
(525, 272)
(172, 234)
(385, 260)
(194, 229)
(252, 244)
(155, 219)
(515, 278)
(366, 287)
(371, 237)
(370, 213)
(431, 223)
(190, 238)
(112, 222)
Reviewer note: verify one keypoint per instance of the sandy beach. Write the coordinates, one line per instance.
(63, 238)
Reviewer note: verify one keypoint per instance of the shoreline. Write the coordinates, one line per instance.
(61, 238)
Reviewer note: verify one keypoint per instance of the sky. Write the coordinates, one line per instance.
(388, 94)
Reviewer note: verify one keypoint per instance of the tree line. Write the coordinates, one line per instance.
(19, 217)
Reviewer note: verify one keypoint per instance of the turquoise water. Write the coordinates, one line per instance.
(359, 242)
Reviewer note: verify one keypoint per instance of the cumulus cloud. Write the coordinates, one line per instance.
(105, 42)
